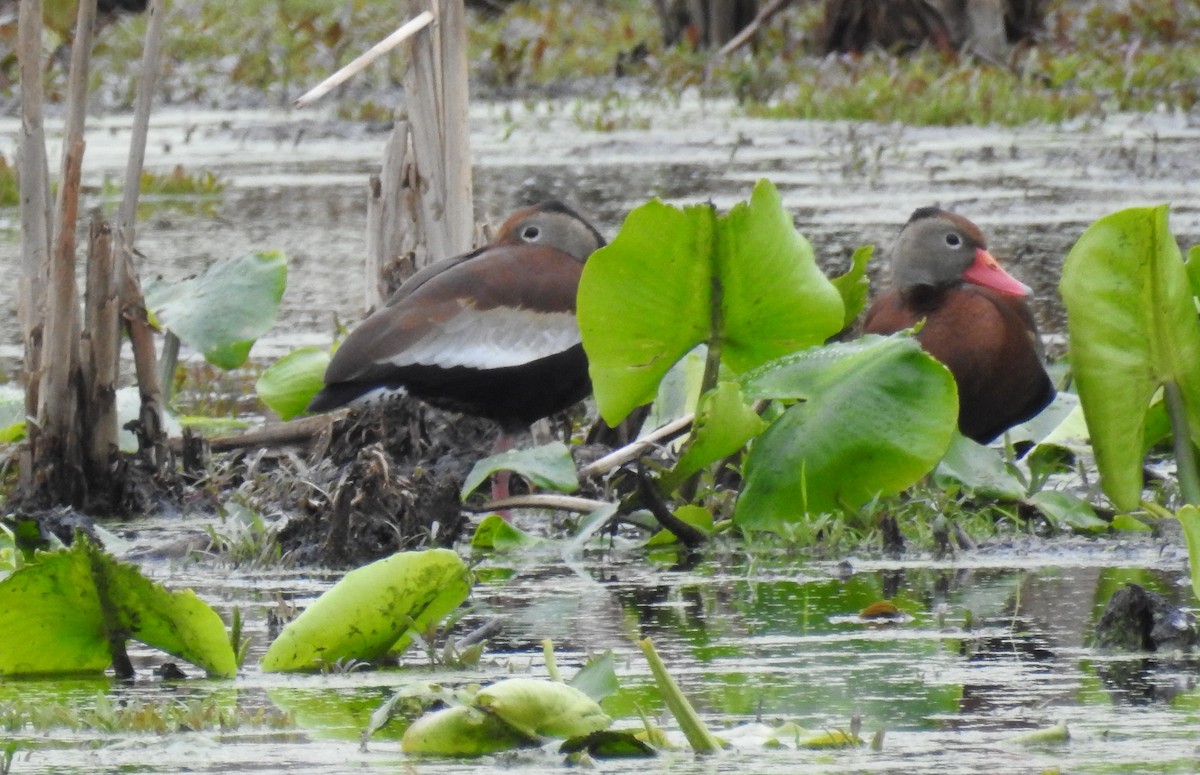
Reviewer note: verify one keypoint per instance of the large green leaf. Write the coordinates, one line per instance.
(876, 415)
(290, 383)
(673, 278)
(58, 613)
(461, 730)
(371, 610)
(548, 466)
(1133, 329)
(222, 311)
(723, 425)
(542, 708)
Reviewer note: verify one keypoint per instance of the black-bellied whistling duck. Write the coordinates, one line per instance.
(491, 333)
(976, 321)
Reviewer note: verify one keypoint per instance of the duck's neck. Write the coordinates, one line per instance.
(921, 298)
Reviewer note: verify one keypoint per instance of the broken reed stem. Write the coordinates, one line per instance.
(364, 60)
(636, 449)
(751, 29)
(125, 280)
(100, 353)
(36, 216)
(57, 395)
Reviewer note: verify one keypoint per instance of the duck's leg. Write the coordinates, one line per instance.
(504, 443)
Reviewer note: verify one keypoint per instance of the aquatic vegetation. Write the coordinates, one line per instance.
(871, 416)
(77, 607)
(1135, 350)
(373, 610)
(288, 385)
(1095, 58)
(9, 195)
(1131, 318)
(223, 310)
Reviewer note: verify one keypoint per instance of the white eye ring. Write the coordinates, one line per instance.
(531, 233)
(953, 240)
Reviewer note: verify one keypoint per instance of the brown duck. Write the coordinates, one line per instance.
(975, 317)
(491, 333)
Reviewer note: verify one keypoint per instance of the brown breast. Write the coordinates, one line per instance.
(988, 340)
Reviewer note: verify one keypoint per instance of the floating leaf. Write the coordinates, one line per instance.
(1133, 329)
(69, 605)
(877, 414)
(610, 744)
(673, 278)
(1050, 735)
(834, 738)
(221, 312)
(549, 466)
(290, 383)
(1065, 510)
(495, 532)
(370, 610)
(460, 731)
(542, 708)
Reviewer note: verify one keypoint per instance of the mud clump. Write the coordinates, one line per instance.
(384, 479)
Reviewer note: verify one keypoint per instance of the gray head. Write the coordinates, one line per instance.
(554, 224)
(935, 248)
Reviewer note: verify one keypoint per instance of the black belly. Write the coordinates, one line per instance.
(514, 396)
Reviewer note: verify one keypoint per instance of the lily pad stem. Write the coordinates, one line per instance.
(1185, 451)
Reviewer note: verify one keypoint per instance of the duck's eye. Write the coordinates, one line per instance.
(953, 240)
(531, 233)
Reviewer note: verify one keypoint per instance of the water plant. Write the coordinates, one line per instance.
(869, 417)
(221, 312)
(77, 607)
(373, 610)
(1135, 351)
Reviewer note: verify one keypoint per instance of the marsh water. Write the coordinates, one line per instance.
(998, 640)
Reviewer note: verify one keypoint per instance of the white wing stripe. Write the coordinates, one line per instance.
(493, 339)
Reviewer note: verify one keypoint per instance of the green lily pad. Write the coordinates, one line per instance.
(549, 466)
(1131, 317)
(69, 605)
(461, 731)
(876, 415)
(290, 383)
(542, 708)
(224, 310)
(746, 282)
(372, 610)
